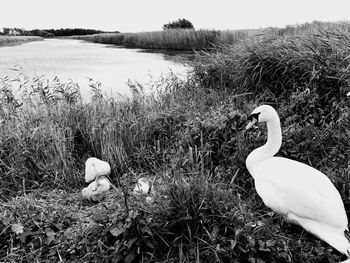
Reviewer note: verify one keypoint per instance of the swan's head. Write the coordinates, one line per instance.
(263, 113)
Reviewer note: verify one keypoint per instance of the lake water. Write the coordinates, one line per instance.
(78, 60)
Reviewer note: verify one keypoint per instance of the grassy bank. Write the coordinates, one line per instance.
(175, 39)
(190, 39)
(16, 40)
(188, 138)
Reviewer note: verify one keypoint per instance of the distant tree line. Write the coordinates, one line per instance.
(15, 32)
(51, 32)
(178, 24)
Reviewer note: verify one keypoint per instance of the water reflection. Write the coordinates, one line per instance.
(79, 61)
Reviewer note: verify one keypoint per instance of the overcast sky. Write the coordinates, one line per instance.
(150, 15)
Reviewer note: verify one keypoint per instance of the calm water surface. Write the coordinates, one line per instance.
(78, 60)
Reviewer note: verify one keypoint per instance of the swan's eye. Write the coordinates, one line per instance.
(254, 116)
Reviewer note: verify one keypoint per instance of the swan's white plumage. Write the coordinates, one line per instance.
(87, 192)
(95, 167)
(310, 195)
(97, 189)
(304, 195)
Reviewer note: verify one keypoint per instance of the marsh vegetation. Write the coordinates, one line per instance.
(171, 39)
(15, 40)
(188, 138)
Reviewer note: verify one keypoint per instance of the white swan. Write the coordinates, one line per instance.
(97, 189)
(304, 195)
(95, 167)
(143, 186)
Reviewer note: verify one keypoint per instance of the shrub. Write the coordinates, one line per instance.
(180, 23)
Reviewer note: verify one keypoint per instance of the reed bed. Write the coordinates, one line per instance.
(174, 39)
(187, 136)
(191, 39)
(15, 40)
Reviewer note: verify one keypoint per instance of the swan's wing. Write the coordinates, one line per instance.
(288, 186)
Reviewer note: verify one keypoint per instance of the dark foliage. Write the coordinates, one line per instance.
(180, 23)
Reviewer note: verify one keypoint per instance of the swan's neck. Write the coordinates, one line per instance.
(270, 148)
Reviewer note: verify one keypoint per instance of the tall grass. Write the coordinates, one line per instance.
(15, 40)
(175, 39)
(279, 64)
(36, 134)
(189, 137)
(139, 133)
(312, 28)
(190, 39)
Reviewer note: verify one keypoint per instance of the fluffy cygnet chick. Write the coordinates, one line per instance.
(143, 186)
(95, 167)
(97, 189)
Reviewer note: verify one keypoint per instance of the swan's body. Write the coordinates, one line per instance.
(304, 195)
(95, 167)
(143, 186)
(97, 189)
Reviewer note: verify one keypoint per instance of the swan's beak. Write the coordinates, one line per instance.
(250, 124)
